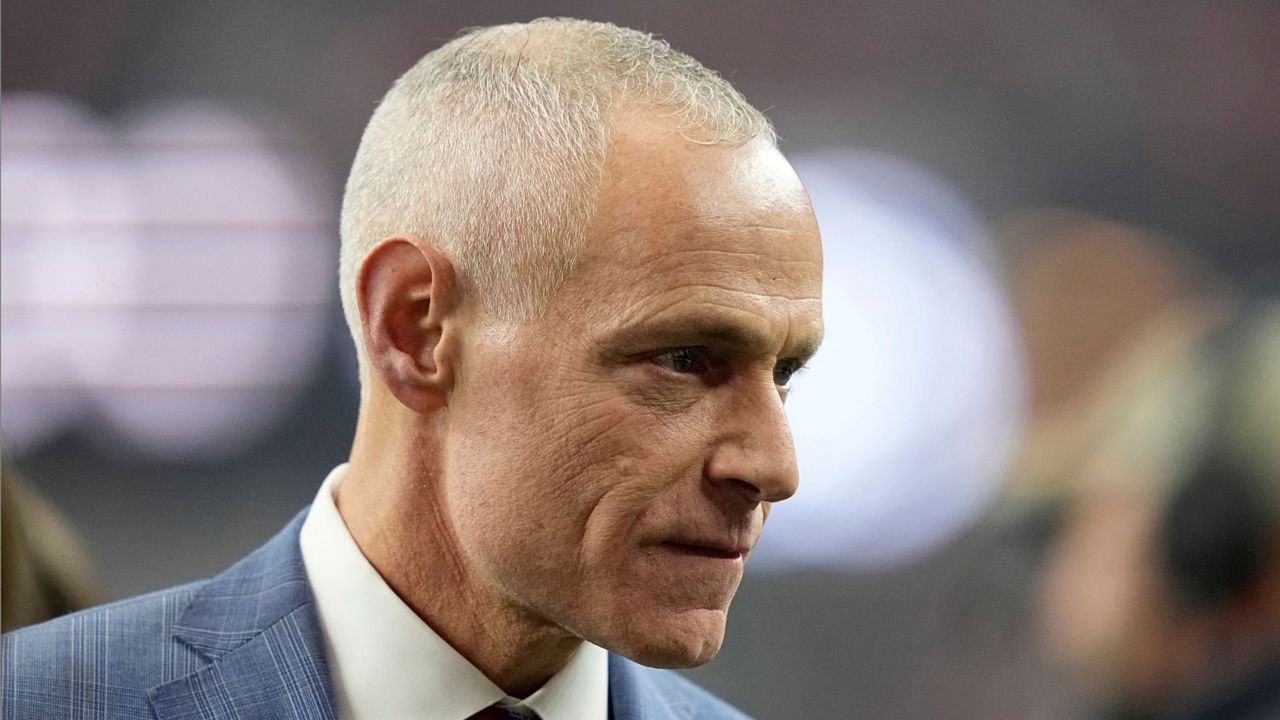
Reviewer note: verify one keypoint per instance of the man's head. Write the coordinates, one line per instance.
(492, 148)
(581, 332)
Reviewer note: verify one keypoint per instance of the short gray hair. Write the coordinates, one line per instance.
(493, 148)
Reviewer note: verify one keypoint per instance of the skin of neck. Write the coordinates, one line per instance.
(392, 502)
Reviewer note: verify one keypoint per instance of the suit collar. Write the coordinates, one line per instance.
(248, 597)
(255, 624)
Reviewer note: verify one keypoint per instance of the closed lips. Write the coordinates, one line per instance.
(717, 550)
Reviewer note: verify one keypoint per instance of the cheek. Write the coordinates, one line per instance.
(628, 468)
(531, 464)
(576, 460)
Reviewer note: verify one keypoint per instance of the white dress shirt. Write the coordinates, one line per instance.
(386, 663)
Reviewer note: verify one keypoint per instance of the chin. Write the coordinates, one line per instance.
(684, 640)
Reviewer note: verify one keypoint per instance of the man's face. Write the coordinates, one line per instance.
(611, 464)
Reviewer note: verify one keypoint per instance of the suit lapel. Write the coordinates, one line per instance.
(256, 626)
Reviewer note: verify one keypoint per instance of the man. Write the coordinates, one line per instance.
(579, 276)
(1161, 596)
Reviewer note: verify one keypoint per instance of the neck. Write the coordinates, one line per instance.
(392, 503)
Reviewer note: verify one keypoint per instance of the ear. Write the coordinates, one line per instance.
(407, 299)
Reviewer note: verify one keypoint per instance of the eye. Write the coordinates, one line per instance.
(785, 370)
(684, 360)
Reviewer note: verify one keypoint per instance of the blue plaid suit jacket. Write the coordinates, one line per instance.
(245, 644)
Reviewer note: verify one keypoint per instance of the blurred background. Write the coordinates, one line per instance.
(1041, 219)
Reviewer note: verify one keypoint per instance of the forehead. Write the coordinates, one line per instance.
(706, 230)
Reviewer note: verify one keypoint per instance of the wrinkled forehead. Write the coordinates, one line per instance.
(684, 227)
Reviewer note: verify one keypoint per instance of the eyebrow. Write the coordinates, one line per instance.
(717, 332)
(808, 347)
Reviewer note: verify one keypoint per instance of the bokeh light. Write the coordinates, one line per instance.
(67, 215)
(171, 274)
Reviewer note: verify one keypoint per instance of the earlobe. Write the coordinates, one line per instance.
(405, 291)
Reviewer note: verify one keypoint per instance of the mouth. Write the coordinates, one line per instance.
(712, 550)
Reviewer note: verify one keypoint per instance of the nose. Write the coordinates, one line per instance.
(755, 455)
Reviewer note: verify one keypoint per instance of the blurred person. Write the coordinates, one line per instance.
(1095, 299)
(579, 276)
(46, 572)
(1161, 597)
(1083, 287)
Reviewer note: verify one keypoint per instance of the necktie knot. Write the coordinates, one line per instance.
(499, 712)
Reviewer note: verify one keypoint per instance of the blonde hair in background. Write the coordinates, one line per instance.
(1221, 389)
(493, 147)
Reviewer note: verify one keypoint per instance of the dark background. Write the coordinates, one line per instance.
(1164, 115)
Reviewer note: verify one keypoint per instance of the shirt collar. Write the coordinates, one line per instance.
(385, 662)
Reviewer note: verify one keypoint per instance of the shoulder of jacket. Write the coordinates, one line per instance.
(124, 644)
